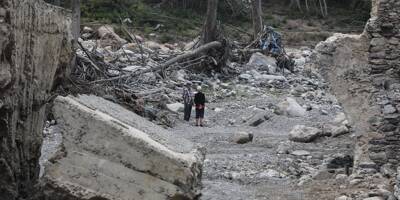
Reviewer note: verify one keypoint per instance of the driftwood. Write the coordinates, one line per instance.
(194, 53)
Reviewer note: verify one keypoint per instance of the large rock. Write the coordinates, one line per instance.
(242, 137)
(301, 133)
(109, 37)
(261, 60)
(35, 54)
(291, 108)
(258, 118)
(175, 107)
(110, 152)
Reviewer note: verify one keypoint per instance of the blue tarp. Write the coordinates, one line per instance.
(271, 41)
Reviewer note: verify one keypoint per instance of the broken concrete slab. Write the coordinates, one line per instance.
(110, 152)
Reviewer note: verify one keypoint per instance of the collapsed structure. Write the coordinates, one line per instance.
(364, 74)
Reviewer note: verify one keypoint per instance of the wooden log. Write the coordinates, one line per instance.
(194, 53)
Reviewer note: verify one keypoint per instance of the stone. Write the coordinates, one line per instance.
(339, 130)
(270, 173)
(87, 29)
(242, 137)
(301, 133)
(339, 161)
(259, 59)
(300, 153)
(339, 118)
(291, 108)
(106, 146)
(175, 107)
(389, 109)
(258, 118)
(245, 76)
(378, 42)
(343, 198)
(217, 110)
(374, 198)
(108, 36)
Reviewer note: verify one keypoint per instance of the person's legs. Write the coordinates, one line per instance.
(198, 117)
(187, 111)
(201, 117)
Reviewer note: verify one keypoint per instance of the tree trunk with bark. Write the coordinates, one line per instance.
(210, 30)
(257, 17)
(76, 19)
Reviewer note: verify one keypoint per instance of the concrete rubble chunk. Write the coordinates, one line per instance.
(110, 152)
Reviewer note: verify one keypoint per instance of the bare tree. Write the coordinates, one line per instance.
(76, 18)
(257, 17)
(210, 31)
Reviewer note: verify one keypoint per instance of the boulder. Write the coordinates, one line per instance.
(242, 137)
(175, 107)
(301, 133)
(261, 60)
(291, 108)
(108, 152)
(339, 130)
(108, 36)
(258, 118)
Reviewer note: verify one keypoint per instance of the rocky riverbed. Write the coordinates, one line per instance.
(271, 166)
(269, 134)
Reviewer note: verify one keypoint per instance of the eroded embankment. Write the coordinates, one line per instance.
(35, 51)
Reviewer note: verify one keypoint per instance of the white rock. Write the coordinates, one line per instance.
(300, 153)
(374, 198)
(300, 61)
(301, 133)
(291, 108)
(389, 109)
(339, 130)
(87, 29)
(270, 173)
(107, 32)
(218, 110)
(340, 117)
(245, 76)
(175, 107)
(259, 59)
(343, 198)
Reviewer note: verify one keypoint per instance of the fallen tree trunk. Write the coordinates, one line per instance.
(196, 52)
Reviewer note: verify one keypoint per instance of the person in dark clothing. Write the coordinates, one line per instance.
(199, 101)
(187, 101)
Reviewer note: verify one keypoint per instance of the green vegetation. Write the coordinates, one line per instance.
(178, 20)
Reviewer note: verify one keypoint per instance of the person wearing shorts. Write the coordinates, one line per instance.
(199, 101)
